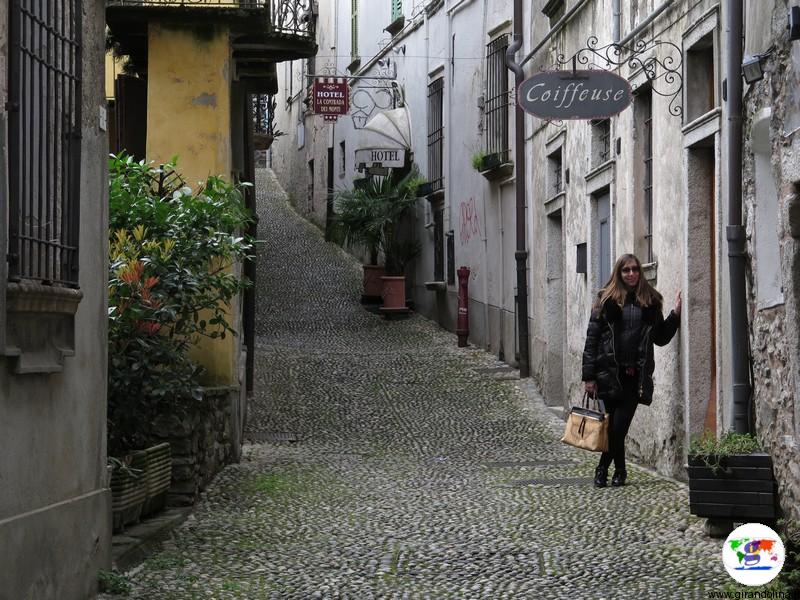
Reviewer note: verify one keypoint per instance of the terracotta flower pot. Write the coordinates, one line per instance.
(373, 286)
(394, 292)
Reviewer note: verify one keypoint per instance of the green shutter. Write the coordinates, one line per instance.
(397, 9)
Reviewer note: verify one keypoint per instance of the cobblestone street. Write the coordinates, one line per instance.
(419, 470)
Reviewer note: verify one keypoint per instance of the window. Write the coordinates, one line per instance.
(438, 243)
(496, 105)
(643, 119)
(311, 185)
(554, 10)
(451, 258)
(601, 141)
(397, 9)
(700, 82)
(44, 121)
(555, 174)
(436, 134)
(354, 28)
(342, 157)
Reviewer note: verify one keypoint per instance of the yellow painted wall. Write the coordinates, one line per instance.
(189, 115)
(113, 68)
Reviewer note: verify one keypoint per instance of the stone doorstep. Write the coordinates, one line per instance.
(136, 543)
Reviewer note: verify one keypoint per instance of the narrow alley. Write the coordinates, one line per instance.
(386, 462)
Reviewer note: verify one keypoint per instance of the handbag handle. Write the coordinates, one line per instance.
(600, 404)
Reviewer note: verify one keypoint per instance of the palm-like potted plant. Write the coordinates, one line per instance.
(356, 224)
(368, 217)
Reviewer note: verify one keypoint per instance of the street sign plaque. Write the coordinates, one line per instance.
(331, 97)
(568, 94)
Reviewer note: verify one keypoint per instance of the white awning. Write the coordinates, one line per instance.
(394, 125)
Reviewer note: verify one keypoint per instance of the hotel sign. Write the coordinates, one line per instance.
(331, 97)
(588, 94)
(386, 157)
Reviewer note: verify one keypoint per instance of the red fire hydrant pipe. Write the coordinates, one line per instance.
(462, 325)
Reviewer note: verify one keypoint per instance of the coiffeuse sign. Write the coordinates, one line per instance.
(592, 94)
(331, 98)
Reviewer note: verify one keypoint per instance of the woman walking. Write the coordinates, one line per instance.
(618, 363)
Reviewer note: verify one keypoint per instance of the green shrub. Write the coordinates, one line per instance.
(171, 282)
(112, 582)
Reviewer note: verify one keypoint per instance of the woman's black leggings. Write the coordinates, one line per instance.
(621, 412)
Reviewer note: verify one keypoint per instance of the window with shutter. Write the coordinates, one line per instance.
(397, 9)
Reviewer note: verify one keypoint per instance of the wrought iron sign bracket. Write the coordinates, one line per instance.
(664, 74)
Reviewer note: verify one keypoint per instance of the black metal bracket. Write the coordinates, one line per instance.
(664, 73)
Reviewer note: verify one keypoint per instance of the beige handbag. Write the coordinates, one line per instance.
(587, 428)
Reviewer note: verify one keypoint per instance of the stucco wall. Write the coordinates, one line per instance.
(55, 508)
(189, 116)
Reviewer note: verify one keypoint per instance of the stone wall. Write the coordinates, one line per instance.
(772, 118)
(202, 442)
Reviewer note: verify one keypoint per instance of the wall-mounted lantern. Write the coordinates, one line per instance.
(751, 69)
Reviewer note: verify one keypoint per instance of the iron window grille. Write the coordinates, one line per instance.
(556, 165)
(601, 141)
(497, 99)
(44, 93)
(436, 134)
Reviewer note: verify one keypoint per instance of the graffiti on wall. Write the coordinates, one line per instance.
(470, 225)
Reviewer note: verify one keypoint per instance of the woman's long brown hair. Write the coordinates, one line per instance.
(616, 290)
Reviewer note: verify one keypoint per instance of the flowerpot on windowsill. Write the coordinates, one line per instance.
(735, 488)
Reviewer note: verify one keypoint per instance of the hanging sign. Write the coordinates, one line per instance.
(331, 97)
(568, 94)
(386, 157)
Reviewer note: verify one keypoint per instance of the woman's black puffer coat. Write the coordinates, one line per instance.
(599, 360)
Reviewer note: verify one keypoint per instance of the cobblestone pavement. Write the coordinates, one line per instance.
(418, 472)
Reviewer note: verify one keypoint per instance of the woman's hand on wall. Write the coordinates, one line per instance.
(678, 304)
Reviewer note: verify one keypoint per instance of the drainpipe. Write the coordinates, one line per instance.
(616, 20)
(735, 230)
(521, 255)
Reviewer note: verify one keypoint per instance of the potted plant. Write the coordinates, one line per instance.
(731, 479)
(167, 288)
(367, 216)
(356, 224)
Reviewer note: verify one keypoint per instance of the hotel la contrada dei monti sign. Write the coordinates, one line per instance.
(331, 97)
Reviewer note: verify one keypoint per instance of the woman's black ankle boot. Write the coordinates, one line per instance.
(619, 478)
(601, 477)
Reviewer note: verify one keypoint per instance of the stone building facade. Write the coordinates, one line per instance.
(771, 185)
(55, 527)
(651, 180)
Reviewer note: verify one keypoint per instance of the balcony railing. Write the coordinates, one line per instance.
(290, 17)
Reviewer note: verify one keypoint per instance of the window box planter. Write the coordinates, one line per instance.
(492, 167)
(737, 487)
(395, 26)
(129, 490)
(159, 477)
(424, 189)
(141, 489)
